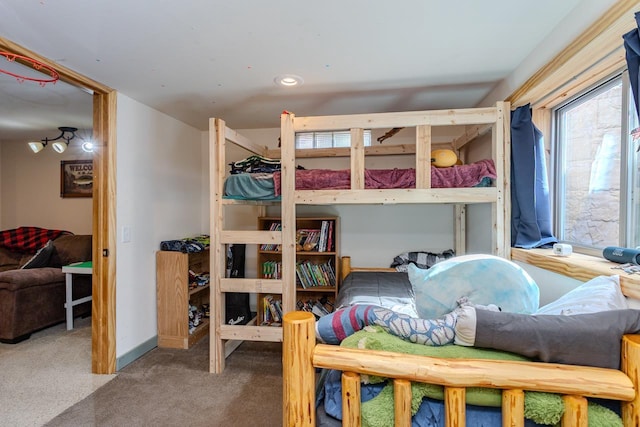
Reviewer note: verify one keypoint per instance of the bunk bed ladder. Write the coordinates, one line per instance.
(225, 338)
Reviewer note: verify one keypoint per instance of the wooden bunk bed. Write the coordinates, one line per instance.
(474, 122)
(302, 355)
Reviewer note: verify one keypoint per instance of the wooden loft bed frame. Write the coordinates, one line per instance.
(476, 122)
(302, 355)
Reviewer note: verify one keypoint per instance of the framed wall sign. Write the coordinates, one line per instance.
(76, 178)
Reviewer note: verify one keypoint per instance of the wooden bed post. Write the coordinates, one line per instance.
(298, 379)
(631, 367)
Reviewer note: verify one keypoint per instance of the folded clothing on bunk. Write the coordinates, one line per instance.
(255, 164)
(187, 245)
(419, 259)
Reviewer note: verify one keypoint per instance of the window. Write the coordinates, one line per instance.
(328, 139)
(596, 181)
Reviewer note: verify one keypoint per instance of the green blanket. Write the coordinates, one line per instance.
(543, 408)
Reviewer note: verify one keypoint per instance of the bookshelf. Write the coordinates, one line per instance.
(182, 286)
(317, 276)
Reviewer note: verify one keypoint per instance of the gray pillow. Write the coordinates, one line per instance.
(41, 258)
(591, 339)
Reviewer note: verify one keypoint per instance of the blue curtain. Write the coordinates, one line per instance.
(530, 208)
(632, 49)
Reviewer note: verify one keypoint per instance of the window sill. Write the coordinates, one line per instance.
(578, 266)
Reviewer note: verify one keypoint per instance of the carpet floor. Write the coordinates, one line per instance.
(45, 374)
(169, 387)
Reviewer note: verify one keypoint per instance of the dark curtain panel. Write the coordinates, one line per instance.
(530, 208)
(632, 49)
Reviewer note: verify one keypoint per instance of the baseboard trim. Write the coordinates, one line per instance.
(136, 353)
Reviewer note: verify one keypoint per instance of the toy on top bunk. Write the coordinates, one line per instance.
(444, 158)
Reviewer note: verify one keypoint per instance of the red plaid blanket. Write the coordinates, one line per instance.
(28, 239)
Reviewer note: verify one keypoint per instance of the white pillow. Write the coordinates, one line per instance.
(601, 293)
(483, 279)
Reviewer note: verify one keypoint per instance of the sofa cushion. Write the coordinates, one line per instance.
(13, 280)
(9, 260)
(40, 258)
(71, 248)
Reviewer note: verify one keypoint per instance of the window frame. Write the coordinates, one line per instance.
(367, 139)
(556, 161)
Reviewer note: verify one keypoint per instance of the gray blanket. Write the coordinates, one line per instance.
(583, 339)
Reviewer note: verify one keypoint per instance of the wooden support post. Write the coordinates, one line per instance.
(575, 411)
(631, 367)
(357, 159)
(217, 147)
(513, 408)
(298, 385)
(402, 402)
(454, 406)
(423, 156)
(351, 399)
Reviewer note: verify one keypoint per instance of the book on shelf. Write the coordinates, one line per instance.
(272, 310)
(272, 270)
(307, 239)
(330, 237)
(275, 226)
(322, 243)
(315, 275)
(319, 307)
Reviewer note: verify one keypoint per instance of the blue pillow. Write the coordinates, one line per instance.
(482, 279)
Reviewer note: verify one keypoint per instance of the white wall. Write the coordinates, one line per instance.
(30, 189)
(159, 197)
(570, 28)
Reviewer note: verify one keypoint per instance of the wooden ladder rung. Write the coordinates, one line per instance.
(264, 286)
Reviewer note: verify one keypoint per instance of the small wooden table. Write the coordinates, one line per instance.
(69, 270)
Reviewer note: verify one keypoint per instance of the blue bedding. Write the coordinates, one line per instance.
(430, 414)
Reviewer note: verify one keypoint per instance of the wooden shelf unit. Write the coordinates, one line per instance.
(174, 297)
(302, 294)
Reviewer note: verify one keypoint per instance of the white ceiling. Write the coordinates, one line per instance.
(196, 59)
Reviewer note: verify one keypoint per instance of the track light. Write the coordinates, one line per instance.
(87, 146)
(59, 143)
(60, 146)
(36, 147)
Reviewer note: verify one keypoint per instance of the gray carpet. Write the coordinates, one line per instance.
(46, 374)
(169, 387)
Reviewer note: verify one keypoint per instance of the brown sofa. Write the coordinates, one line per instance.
(33, 298)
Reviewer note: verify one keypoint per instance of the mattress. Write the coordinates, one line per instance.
(390, 290)
(266, 186)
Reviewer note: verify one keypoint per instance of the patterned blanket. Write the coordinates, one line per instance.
(471, 175)
(28, 239)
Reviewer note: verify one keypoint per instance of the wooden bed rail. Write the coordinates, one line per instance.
(301, 356)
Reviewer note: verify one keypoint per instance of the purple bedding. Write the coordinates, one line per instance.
(454, 177)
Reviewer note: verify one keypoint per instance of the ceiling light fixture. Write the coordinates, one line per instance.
(87, 146)
(59, 143)
(288, 80)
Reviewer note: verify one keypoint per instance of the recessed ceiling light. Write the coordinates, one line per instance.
(288, 80)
